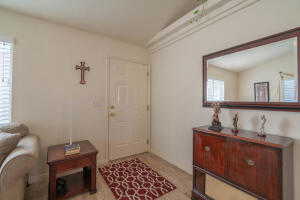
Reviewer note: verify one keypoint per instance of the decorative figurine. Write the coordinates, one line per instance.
(216, 124)
(235, 124)
(262, 128)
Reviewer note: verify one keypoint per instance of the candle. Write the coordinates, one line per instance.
(71, 121)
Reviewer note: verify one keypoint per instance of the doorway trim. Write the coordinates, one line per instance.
(108, 59)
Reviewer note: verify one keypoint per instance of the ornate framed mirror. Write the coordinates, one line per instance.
(262, 74)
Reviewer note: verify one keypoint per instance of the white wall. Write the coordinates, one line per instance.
(47, 95)
(177, 82)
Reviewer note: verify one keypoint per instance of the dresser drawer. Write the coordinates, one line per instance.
(74, 164)
(254, 167)
(209, 152)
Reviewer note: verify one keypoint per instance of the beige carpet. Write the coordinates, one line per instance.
(182, 180)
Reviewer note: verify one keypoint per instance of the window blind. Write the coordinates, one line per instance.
(289, 90)
(215, 90)
(5, 81)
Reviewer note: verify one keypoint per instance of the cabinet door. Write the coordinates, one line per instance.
(255, 167)
(209, 153)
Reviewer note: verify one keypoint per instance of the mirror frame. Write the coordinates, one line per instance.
(255, 105)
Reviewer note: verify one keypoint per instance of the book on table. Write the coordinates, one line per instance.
(71, 149)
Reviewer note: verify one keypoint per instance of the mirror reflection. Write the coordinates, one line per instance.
(266, 73)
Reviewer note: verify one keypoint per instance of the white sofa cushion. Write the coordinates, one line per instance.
(8, 143)
(16, 166)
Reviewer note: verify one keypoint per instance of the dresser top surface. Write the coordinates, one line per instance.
(250, 136)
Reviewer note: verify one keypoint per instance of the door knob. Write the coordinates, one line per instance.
(112, 114)
(112, 107)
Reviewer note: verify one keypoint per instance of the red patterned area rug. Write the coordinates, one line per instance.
(134, 180)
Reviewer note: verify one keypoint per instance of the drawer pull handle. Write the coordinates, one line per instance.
(207, 148)
(250, 162)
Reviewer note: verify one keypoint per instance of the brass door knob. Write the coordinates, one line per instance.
(112, 107)
(112, 114)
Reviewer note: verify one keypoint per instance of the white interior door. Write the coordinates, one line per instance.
(128, 97)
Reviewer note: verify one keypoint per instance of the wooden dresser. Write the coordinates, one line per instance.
(261, 167)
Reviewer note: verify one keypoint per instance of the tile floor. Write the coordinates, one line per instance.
(183, 181)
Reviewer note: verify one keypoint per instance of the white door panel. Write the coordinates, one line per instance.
(128, 108)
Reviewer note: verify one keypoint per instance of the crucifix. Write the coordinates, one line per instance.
(82, 68)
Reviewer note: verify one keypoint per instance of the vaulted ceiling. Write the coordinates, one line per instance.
(134, 21)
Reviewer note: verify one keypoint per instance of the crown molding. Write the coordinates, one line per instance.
(215, 10)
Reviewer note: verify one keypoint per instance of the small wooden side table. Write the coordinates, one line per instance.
(77, 183)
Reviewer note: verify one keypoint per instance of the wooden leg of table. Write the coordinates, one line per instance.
(198, 192)
(93, 188)
(199, 181)
(52, 183)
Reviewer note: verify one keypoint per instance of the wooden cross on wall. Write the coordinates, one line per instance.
(82, 68)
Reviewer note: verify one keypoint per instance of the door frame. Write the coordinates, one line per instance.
(108, 59)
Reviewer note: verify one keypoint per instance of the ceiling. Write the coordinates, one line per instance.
(246, 59)
(133, 21)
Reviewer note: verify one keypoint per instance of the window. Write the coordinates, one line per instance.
(289, 90)
(215, 90)
(5, 81)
